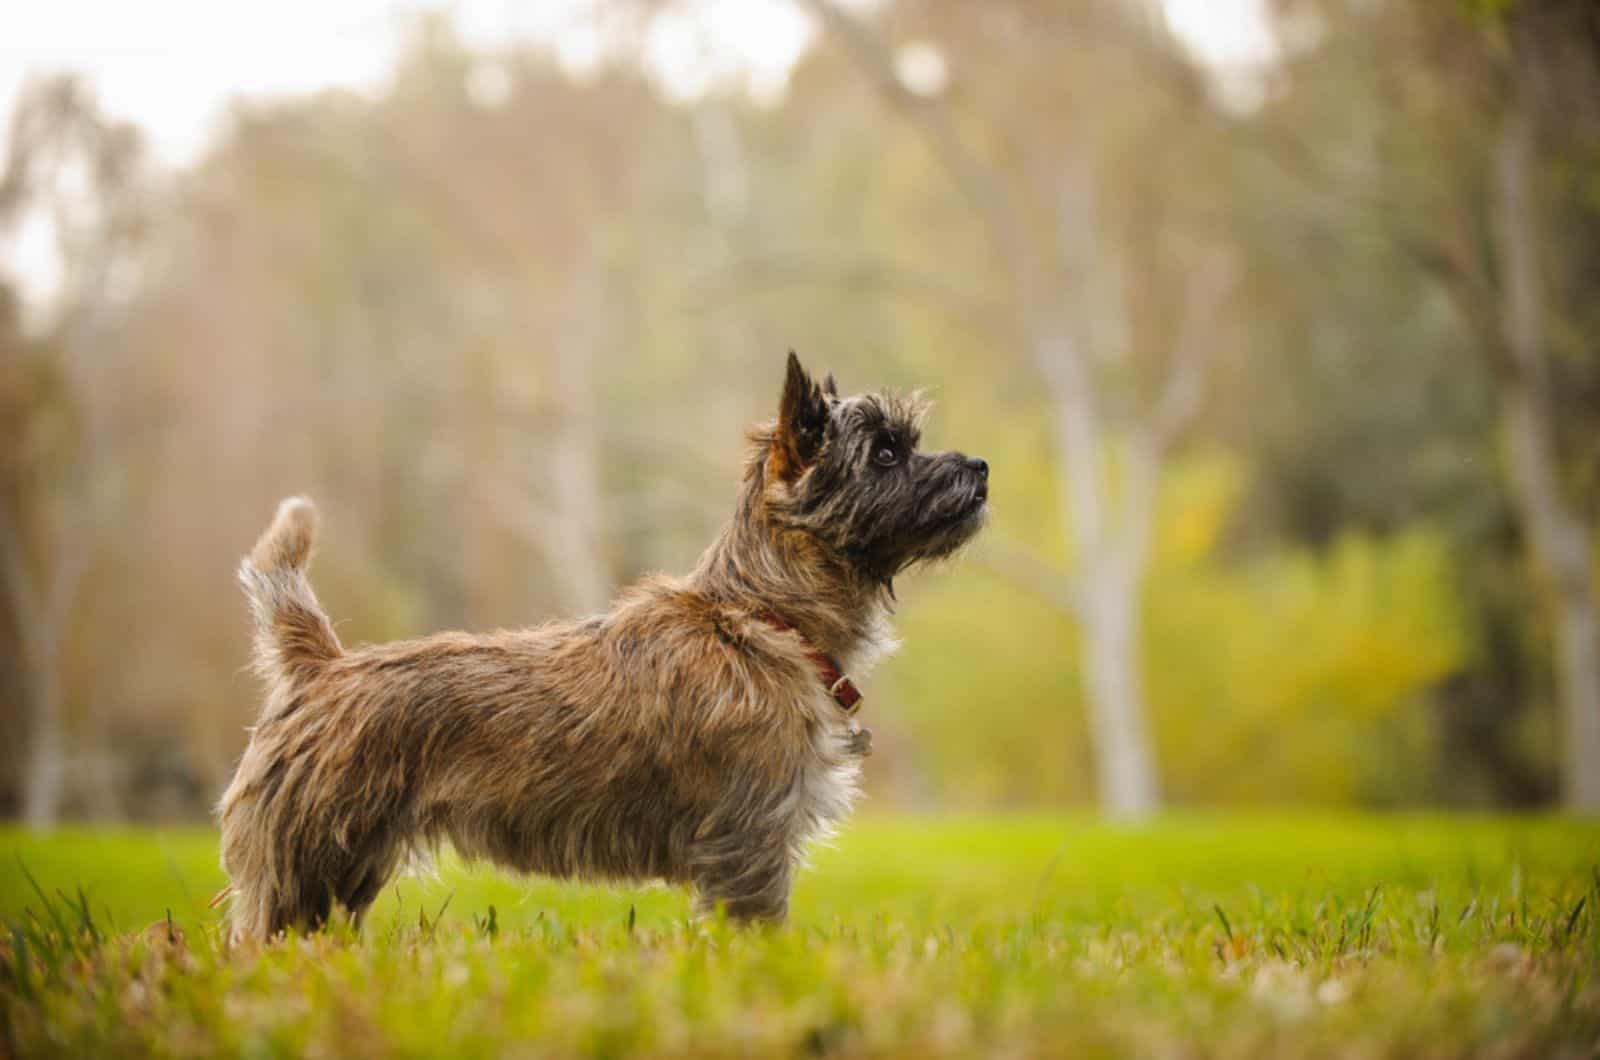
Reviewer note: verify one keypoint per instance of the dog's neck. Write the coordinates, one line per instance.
(760, 566)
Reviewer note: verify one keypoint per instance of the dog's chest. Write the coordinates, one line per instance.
(829, 781)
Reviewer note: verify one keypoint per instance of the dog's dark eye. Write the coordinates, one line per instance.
(885, 456)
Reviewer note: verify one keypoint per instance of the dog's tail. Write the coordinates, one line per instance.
(294, 638)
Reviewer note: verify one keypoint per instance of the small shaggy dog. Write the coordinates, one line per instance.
(700, 732)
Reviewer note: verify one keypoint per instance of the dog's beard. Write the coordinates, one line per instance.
(937, 529)
(951, 525)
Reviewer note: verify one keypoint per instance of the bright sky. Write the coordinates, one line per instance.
(171, 66)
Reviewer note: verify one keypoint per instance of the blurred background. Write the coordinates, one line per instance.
(1277, 320)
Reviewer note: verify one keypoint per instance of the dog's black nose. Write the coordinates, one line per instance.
(979, 464)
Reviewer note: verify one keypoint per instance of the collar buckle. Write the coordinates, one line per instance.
(842, 690)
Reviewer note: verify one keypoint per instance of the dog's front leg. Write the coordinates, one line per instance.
(859, 740)
(748, 875)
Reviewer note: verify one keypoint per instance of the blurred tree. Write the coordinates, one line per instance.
(79, 173)
(1481, 155)
(1112, 284)
(1550, 41)
(27, 396)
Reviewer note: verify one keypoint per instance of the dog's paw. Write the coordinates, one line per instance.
(860, 742)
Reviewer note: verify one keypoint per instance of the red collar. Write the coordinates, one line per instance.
(840, 687)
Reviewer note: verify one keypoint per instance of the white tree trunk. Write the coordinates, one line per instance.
(575, 516)
(41, 616)
(1562, 543)
(1558, 533)
(1110, 543)
(1113, 683)
(47, 751)
(1578, 681)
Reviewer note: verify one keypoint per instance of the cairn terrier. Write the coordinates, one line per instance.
(702, 732)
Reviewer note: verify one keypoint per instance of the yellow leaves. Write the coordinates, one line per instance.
(1288, 675)
(1199, 497)
(1300, 664)
(1374, 620)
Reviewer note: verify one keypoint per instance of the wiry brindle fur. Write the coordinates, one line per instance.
(681, 736)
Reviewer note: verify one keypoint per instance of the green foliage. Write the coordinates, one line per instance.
(1312, 665)
(1309, 665)
(1208, 935)
(1489, 9)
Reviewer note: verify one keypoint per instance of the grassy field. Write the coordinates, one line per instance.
(1013, 936)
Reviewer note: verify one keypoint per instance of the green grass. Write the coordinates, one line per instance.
(1220, 935)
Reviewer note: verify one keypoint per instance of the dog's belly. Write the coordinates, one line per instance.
(646, 822)
(580, 830)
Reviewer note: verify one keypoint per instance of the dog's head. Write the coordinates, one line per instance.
(847, 471)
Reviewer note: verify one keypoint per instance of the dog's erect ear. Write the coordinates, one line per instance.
(829, 387)
(802, 423)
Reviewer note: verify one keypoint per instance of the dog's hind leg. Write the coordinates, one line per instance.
(360, 884)
(313, 901)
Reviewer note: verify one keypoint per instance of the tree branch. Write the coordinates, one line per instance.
(1027, 570)
(980, 315)
(932, 117)
(1193, 346)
